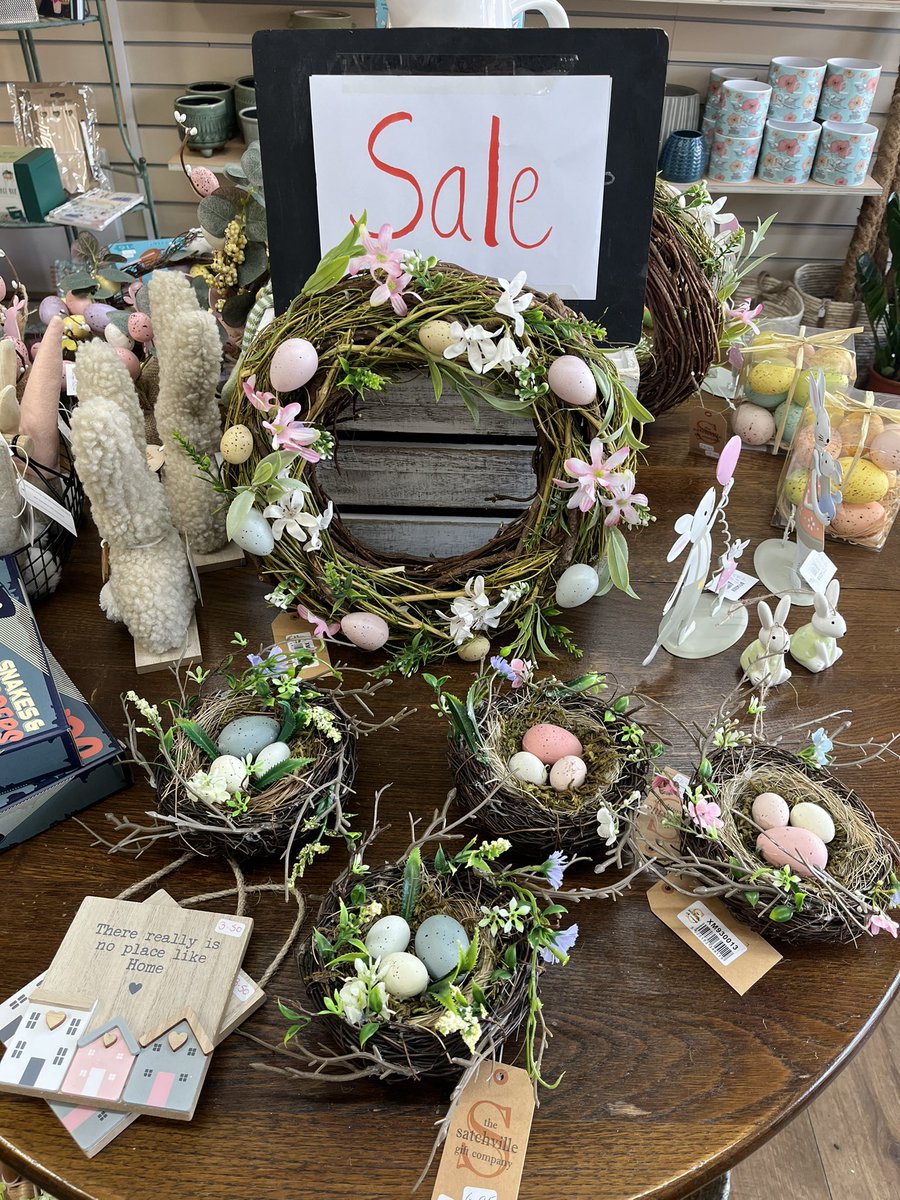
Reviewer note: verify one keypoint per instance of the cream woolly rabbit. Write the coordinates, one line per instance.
(814, 645)
(763, 660)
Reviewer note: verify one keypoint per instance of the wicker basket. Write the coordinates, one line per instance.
(861, 854)
(42, 562)
(413, 1042)
(782, 304)
(266, 828)
(538, 820)
(816, 283)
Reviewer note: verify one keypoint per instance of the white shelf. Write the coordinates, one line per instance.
(216, 162)
(761, 187)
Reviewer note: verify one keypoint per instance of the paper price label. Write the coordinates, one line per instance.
(45, 503)
(230, 928)
(817, 570)
(243, 987)
(714, 935)
(738, 585)
(70, 378)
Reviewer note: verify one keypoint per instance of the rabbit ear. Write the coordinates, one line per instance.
(781, 612)
(832, 592)
(820, 603)
(766, 620)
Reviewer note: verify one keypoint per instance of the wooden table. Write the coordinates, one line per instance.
(670, 1076)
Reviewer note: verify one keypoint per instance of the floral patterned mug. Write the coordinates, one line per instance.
(733, 159)
(849, 90)
(796, 86)
(844, 154)
(788, 150)
(744, 107)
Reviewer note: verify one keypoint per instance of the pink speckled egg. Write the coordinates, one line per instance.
(97, 316)
(35, 346)
(770, 811)
(293, 364)
(795, 848)
(572, 380)
(568, 773)
(203, 181)
(858, 520)
(753, 425)
(805, 443)
(365, 630)
(129, 358)
(77, 303)
(140, 327)
(52, 306)
(550, 743)
(884, 449)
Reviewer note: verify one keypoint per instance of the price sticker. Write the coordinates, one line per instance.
(817, 570)
(230, 928)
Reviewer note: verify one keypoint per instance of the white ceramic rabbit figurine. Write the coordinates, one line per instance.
(814, 645)
(763, 660)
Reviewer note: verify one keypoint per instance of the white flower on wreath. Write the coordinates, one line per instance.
(474, 611)
(513, 302)
(607, 825)
(321, 523)
(508, 356)
(474, 341)
(210, 788)
(287, 516)
(354, 996)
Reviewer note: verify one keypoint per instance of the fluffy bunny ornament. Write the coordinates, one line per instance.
(814, 645)
(763, 660)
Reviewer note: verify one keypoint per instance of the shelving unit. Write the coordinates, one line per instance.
(761, 187)
(229, 155)
(106, 16)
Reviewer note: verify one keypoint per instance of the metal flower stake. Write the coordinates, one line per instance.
(695, 623)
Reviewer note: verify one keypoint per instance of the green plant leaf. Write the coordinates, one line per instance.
(441, 862)
(781, 913)
(437, 379)
(279, 771)
(198, 736)
(368, 1030)
(238, 510)
(333, 265)
(412, 883)
(323, 945)
(752, 898)
(469, 957)
(251, 164)
(463, 723)
(215, 213)
(255, 264)
(255, 225)
(289, 1013)
(288, 722)
(617, 558)
(236, 309)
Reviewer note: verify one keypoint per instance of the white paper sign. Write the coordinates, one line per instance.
(817, 570)
(497, 173)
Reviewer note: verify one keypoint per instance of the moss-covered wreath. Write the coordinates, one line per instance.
(494, 344)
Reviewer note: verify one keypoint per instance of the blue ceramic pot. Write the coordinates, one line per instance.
(682, 157)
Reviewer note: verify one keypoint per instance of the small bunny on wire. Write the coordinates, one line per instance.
(763, 660)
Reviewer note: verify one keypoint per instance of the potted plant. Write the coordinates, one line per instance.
(879, 295)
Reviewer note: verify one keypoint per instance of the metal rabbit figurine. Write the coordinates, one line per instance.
(819, 503)
(763, 660)
(814, 645)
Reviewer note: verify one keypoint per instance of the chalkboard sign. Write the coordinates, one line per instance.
(502, 150)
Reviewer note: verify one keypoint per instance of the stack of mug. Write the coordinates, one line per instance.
(216, 110)
(810, 119)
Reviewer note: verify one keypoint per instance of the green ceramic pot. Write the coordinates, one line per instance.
(249, 124)
(244, 92)
(208, 115)
(224, 91)
(320, 18)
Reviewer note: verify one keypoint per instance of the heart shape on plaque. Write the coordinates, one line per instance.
(54, 1018)
(110, 1039)
(176, 1039)
(134, 988)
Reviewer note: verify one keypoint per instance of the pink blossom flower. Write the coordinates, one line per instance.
(789, 146)
(744, 314)
(790, 83)
(321, 627)
(840, 148)
(588, 475)
(750, 106)
(264, 401)
(836, 83)
(855, 102)
(392, 289)
(664, 785)
(791, 179)
(290, 434)
(622, 499)
(871, 84)
(841, 181)
(380, 254)
(706, 814)
(879, 921)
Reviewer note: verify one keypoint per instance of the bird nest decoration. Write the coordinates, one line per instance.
(565, 767)
(490, 342)
(248, 762)
(793, 851)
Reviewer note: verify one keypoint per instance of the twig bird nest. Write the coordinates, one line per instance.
(834, 904)
(409, 1045)
(536, 817)
(294, 810)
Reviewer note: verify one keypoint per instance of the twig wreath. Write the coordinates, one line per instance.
(334, 350)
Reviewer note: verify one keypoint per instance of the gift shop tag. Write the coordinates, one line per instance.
(817, 570)
(731, 948)
(70, 378)
(654, 837)
(291, 632)
(738, 585)
(46, 504)
(156, 457)
(487, 1137)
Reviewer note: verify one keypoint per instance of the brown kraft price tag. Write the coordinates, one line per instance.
(484, 1152)
(291, 632)
(654, 837)
(724, 943)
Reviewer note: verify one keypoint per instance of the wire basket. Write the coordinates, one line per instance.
(42, 562)
(783, 305)
(816, 283)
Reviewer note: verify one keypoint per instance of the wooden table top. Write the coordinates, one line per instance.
(670, 1076)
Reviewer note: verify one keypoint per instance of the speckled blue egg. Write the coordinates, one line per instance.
(438, 942)
(795, 412)
(247, 735)
(390, 935)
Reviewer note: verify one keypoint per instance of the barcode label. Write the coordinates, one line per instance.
(714, 935)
